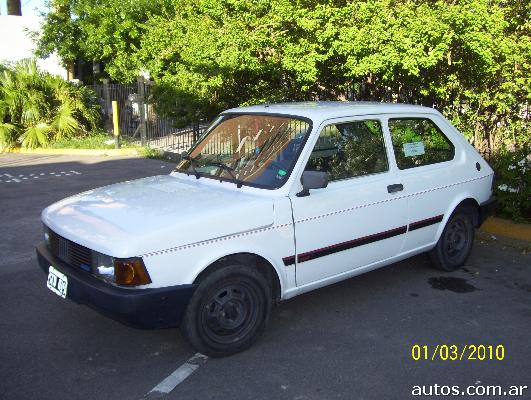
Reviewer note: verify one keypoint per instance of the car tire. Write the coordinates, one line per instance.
(228, 311)
(455, 244)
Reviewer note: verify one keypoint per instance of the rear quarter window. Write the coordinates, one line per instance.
(418, 142)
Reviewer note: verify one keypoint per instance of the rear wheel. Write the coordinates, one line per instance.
(455, 244)
(228, 311)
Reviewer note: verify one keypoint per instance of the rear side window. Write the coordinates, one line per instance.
(418, 142)
(351, 149)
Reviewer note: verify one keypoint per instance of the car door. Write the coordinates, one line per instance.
(360, 218)
(429, 170)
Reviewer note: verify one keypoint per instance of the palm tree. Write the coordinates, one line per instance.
(14, 7)
(37, 107)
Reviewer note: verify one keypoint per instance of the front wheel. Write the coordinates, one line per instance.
(228, 311)
(455, 244)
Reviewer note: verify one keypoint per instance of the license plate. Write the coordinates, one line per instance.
(57, 282)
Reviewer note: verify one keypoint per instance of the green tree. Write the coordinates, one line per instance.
(108, 31)
(470, 59)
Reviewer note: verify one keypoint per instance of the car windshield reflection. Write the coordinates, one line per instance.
(249, 149)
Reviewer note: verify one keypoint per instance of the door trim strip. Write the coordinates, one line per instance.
(375, 237)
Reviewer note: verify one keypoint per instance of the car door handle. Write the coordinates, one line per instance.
(397, 187)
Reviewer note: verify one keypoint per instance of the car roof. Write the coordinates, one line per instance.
(321, 110)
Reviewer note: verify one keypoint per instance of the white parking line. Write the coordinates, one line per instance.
(177, 376)
(10, 179)
(35, 175)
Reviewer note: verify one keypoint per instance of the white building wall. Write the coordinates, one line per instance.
(16, 44)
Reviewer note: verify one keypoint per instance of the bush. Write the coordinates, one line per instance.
(37, 107)
(513, 183)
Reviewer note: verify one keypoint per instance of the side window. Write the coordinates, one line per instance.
(418, 141)
(349, 149)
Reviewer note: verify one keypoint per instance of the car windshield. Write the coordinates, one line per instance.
(248, 149)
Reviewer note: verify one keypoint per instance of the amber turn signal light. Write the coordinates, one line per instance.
(130, 272)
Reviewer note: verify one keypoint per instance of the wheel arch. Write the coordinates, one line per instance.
(261, 263)
(465, 201)
(473, 205)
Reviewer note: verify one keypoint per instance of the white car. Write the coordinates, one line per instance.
(271, 202)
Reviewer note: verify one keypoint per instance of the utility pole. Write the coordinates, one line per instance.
(14, 7)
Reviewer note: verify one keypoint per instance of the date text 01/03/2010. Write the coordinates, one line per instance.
(457, 352)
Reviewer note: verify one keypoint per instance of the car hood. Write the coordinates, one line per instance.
(146, 215)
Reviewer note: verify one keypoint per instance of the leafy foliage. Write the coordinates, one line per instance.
(36, 107)
(513, 183)
(471, 59)
(103, 30)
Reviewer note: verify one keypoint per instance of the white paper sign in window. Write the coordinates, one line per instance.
(413, 149)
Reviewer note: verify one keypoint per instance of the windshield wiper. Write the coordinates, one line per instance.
(230, 170)
(191, 159)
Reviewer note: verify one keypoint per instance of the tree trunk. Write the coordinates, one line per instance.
(14, 7)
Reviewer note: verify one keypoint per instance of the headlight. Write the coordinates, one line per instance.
(127, 272)
(103, 266)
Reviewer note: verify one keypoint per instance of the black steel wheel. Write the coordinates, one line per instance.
(455, 244)
(228, 311)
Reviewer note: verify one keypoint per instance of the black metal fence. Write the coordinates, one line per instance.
(138, 120)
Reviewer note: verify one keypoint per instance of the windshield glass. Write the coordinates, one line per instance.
(254, 150)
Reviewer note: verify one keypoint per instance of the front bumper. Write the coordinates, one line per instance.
(144, 308)
(486, 209)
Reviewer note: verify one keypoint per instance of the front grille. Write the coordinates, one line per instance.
(69, 252)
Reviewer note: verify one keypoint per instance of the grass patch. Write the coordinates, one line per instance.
(148, 152)
(96, 140)
(103, 141)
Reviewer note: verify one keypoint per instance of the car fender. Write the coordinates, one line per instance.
(451, 208)
(182, 265)
(280, 271)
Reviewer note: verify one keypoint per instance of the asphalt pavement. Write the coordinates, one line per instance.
(351, 340)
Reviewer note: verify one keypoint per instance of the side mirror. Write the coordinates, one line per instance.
(312, 180)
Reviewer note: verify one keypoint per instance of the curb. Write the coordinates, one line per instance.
(503, 227)
(77, 152)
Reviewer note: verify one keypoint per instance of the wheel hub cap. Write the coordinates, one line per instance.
(455, 238)
(227, 312)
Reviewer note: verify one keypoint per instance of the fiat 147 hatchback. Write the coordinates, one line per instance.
(272, 201)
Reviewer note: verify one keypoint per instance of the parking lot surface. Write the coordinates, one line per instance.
(351, 340)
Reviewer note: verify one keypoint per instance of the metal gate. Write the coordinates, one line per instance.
(138, 120)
